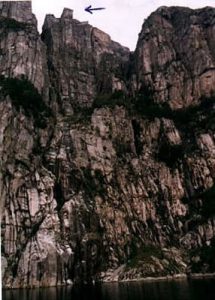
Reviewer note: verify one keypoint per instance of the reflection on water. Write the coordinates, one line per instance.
(168, 290)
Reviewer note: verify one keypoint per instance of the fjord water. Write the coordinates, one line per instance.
(164, 290)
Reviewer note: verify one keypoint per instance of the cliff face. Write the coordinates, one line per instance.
(82, 61)
(175, 55)
(104, 173)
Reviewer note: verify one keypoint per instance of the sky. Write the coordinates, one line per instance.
(122, 19)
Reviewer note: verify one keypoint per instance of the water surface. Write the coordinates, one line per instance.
(168, 290)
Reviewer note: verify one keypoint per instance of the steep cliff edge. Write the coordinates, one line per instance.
(107, 157)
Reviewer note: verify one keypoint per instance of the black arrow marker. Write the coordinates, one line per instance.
(89, 9)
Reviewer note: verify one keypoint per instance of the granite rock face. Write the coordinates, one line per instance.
(175, 55)
(104, 174)
(82, 60)
(22, 52)
(18, 10)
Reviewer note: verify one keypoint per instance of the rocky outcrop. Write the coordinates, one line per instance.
(83, 61)
(175, 55)
(20, 11)
(22, 52)
(103, 175)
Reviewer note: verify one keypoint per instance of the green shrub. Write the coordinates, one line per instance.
(207, 255)
(84, 179)
(24, 95)
(7, 23)
(93, 184)
(208, 197)
(207, 209)
(144, 105)
(81, 115)
(137, 136)
(207, 258)
(170, 154)
(110, 100)
(122, 148)
(143, 254)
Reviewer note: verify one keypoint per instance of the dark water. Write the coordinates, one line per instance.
(172, 290)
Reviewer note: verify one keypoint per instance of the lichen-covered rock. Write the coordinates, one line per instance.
(98, 180)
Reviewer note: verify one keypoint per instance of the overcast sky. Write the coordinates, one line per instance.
(122, 19)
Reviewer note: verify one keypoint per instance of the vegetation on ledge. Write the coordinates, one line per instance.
(143, 255)
(203, 259)
(111, 100)
(208, 208)
(144, 105)
(170, 154)
(12, 24)
(24, 95)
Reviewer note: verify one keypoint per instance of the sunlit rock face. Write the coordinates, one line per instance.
(103, 175)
